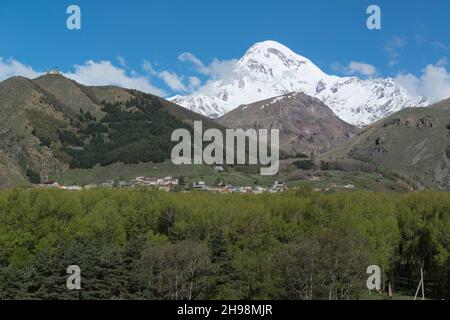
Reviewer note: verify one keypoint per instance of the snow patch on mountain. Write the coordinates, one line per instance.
(270, 69)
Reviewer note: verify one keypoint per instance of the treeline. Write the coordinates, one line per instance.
(140, 244)
(348, 165)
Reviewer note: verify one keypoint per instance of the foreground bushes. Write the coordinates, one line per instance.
(150, 245)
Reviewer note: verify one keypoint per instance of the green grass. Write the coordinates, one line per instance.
(362, 181)
(235, 176)
(119, 171)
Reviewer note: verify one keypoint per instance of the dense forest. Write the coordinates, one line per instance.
(141, 244)
(138, 131)
(135, 131)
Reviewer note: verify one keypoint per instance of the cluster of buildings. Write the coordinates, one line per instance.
(167, 184)
(348, 187)
(51, 184)
(276, 187)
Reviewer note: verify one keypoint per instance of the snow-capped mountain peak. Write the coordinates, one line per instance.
(270, 69)
(273, 60)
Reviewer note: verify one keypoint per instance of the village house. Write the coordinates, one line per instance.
(123, 184)
(108, 184)
(170, 181)
(50, 184)
(72, 188)
(247, 190)
(138, 180)
(232, 189)
(200, 185)
(278, 186)
(260, 190)
(90, 186)
(152, 182)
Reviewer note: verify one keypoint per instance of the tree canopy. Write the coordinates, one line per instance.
(141, 244)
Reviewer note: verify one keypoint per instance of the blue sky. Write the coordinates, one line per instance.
(414, 35)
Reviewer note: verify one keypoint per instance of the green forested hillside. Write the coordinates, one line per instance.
(151, 245)
(51, 124)
(139, 131)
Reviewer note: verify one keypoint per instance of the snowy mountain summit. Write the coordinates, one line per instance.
(270, 69)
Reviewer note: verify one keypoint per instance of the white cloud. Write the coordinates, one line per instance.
(122, 61)
(440, 45)
(105, 73)
(172, 80)
(442, 62)
(91, 73)
(393, 47)
(148, 67)
(217, 69)
(356, 68)
(222, 69)
(362, 68)
(410, 82)
(194, 83)
(433, 83)
(11, 67)
(199, 66)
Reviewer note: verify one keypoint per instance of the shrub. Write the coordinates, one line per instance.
(33, 176)
(304, 164)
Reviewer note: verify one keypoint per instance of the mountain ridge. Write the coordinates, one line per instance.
(306, 124)
(414, 142)
(51, 123)
(269, 69)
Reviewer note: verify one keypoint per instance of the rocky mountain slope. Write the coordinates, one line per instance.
(306, 124)
(414, 142)
(269, 69)
(51, 124)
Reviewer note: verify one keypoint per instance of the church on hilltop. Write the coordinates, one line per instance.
(54, 72)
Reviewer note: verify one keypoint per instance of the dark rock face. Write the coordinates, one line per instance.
(379, 141)
(393, 122)
(424, 123)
